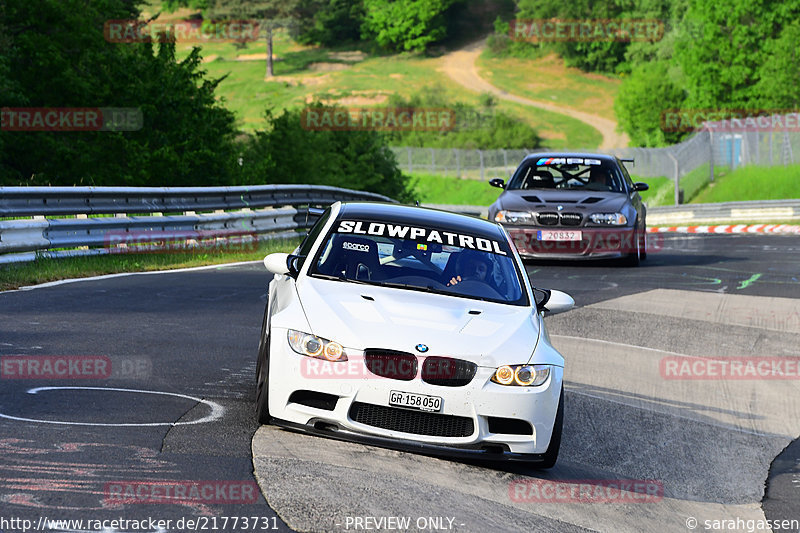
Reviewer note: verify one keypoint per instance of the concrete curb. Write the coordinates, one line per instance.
(729, 228)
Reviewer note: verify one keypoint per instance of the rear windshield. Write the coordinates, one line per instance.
(422, 259)
(575, 173)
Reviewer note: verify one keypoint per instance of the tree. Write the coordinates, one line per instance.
(723, 63)
(285, 152)
(58, 57)
(405, 25)
(272, 14)
(641, 101)
(777, 87)
(335, 22)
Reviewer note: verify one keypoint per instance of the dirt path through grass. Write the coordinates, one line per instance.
(460, 66)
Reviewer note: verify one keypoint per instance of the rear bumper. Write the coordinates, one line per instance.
(595, 243)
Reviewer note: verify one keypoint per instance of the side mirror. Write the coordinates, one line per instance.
(639, 186)
(281, 264)
(553, 302)
(500, 183)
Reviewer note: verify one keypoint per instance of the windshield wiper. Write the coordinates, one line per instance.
(426, 288)
(343, 278)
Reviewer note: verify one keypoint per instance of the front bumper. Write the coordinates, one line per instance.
(486, 409)
(482, 453)
(595, 243)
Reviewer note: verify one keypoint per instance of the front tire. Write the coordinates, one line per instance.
(262, 390)
(262, 376)
(551, 455)
(634, 259)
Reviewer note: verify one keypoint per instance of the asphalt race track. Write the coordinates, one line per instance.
(175, 356)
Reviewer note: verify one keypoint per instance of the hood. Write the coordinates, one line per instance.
(572, 201)
(364, 316)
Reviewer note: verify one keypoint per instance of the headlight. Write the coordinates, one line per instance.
(313, 346)
(609, 219)
(513, 217)
(522, 375)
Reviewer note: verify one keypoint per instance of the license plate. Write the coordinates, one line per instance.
(415, 401)
(558, 235)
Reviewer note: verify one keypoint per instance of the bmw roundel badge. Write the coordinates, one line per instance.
(421, 348)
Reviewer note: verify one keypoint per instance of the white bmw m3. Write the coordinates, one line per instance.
(413, 329)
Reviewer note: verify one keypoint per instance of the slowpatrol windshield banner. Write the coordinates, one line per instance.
(419, 234)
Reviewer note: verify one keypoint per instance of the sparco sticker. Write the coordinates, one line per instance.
(414, 233)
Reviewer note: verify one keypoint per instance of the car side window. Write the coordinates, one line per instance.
(626, 177)
(311, 238)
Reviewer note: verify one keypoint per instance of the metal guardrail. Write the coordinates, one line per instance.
(752, 211)
(33, 201)
(260, 213)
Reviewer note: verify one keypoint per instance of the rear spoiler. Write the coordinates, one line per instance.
(629, 160)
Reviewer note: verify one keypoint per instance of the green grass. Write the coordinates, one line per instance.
(438, 189)
(694, 182)
(751, 183)
(42, 270)
(435, 189)
(742, 184)
(547, 79)
(661, 191)
(366, 82)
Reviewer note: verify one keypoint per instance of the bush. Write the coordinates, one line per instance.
(640, 102)
(285, 152)
(475, 127)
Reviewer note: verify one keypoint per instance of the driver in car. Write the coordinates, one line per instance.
(470, 266)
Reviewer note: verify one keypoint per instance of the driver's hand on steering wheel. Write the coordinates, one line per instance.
(454, 280)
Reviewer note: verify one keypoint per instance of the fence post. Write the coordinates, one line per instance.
(770, 147)
(480, 153)
(677, 178)
(711, 155)
(758, 147)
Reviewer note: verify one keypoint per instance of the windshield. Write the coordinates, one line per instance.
(470, 267)
(568, 173)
